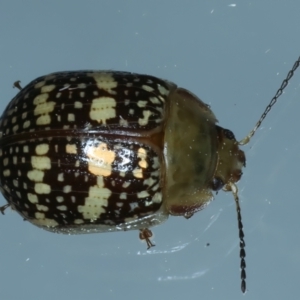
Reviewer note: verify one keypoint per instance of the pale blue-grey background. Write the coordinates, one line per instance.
(234, 56)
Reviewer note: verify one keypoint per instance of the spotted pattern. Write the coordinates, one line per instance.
(75, 148)
(88, 100)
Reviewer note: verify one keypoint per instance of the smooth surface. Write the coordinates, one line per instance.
(234, 56)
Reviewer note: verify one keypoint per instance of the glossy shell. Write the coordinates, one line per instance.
(94, 151)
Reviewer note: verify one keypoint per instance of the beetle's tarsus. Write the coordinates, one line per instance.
(146, 234)
(17, 85)
(3, 208)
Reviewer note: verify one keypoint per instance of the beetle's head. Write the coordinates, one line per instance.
(230, 162)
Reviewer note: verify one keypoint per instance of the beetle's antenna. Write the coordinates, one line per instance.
(234, 190)
(285, 82)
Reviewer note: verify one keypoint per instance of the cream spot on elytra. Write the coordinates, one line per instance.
(103, 109)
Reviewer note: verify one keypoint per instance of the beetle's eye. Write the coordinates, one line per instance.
(217, 183)
(229, 134)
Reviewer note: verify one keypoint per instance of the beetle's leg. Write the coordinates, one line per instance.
(3, 208)
(17, 85)
(146, 234)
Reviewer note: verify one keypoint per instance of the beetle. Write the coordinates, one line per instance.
(100, 151)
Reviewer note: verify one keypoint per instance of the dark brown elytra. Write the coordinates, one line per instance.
(222, 177)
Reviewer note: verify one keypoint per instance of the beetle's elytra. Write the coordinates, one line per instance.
(97, 151)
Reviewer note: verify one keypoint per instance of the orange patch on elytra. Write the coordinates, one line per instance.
(101, 159)
(142, 154)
